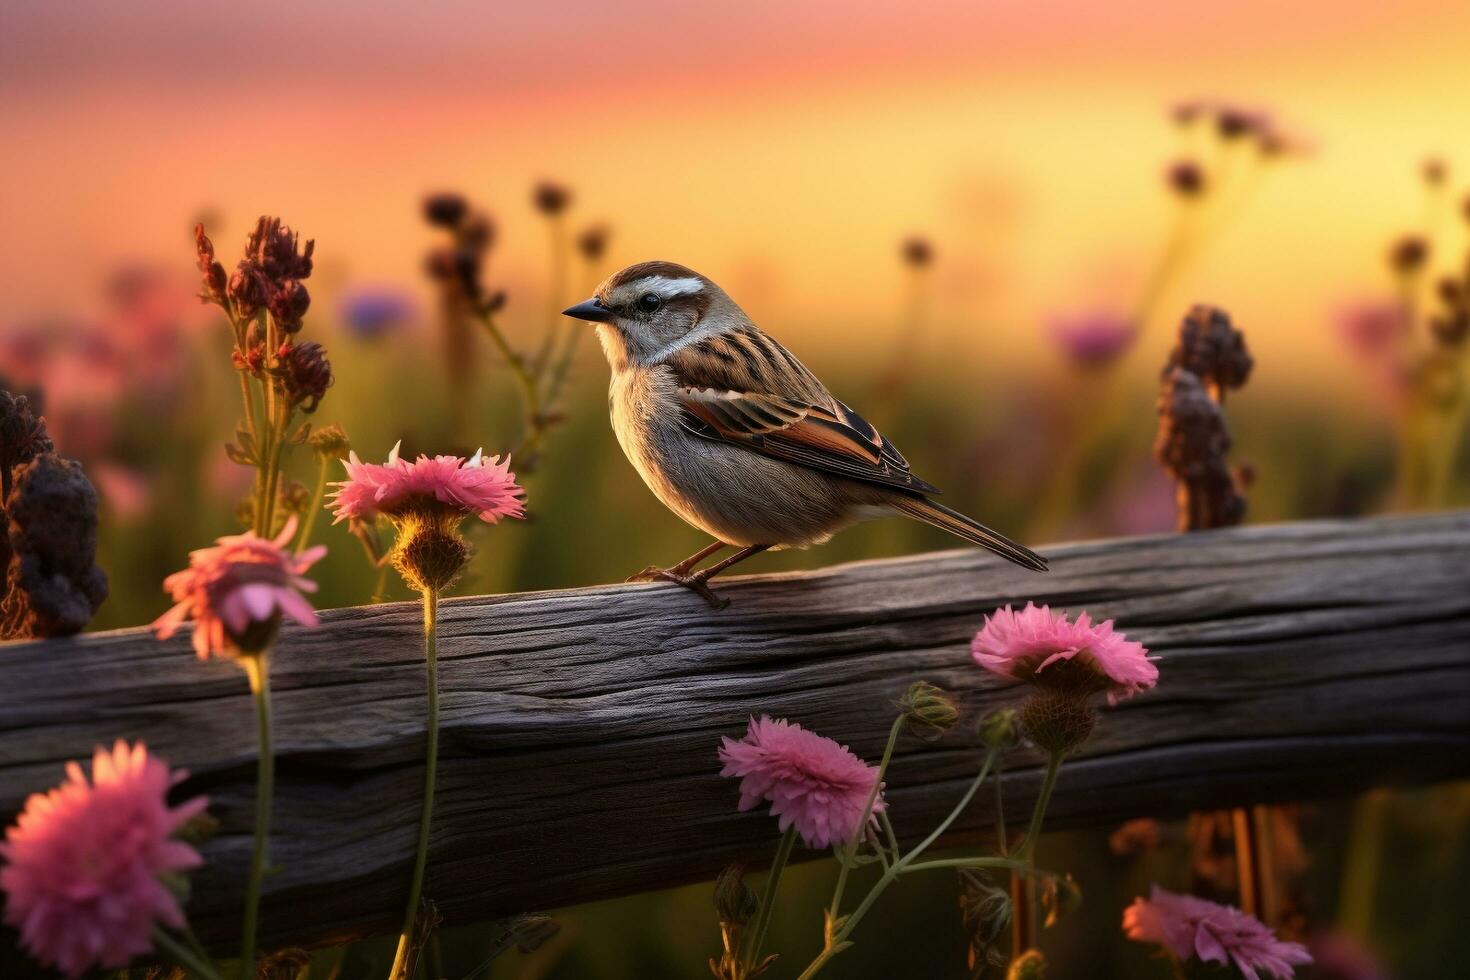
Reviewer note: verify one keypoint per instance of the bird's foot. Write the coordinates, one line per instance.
(696, 583)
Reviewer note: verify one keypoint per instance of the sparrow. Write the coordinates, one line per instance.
(734, 435)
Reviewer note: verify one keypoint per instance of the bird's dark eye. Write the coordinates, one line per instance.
(649, 302)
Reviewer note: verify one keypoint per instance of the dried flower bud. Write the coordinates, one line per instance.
(307, 374)
(985, 911)
(735, 902)
(1212, 349)
(1030, 965)
(592, 242)
(1408, 255)
(445, 210)
(439, 264)
(1000, 730)
(245, 290)
(551, 199)
(928, 712)
(917, 252)
(330, 442)
(272, 249)
(214, 277)
(1186, 178)
(1060, 895)
(288, 304)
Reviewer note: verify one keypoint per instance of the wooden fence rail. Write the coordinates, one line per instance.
(580, 727)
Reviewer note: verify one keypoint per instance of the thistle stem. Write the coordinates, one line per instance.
(1028, 847)
(184, 956)
(535, 420)
(426, 813)
(850, 848)
(768, 899)
(257, 669)
(313, 507)
(838, 941)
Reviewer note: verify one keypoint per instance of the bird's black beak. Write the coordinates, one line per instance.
(592, 310)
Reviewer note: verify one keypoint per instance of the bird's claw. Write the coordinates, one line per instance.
(694, 583)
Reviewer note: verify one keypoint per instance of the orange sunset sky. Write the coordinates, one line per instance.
(782, 148)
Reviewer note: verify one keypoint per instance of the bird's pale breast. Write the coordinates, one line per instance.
(733, 494)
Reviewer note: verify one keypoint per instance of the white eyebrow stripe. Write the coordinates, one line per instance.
(669, 288)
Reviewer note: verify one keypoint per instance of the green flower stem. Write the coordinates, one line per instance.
(530, 385)
(972, 862)
(839, 941)
(888, 832)
(431, 766)
(313, 507)
(1028, 847)
(849, 850)
(257, 669)
(768, 899)
(184, 956)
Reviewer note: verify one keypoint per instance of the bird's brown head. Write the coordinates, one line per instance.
(646, 311)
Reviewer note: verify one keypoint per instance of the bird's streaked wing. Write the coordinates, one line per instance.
(744, 388)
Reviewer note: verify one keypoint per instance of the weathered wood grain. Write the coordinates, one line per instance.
(578, 754)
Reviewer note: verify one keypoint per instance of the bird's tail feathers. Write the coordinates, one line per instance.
(972, 531)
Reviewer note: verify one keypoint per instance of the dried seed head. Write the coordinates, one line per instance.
(928, 712)
(917, 252)
(307, 374)
(445, 210)
(1186, 178)
(1192, 444)
(592, 242)
(550, 198)
(1212, 349)
(22, 437)
(1408, 255)
(273, 250)
(53, 586)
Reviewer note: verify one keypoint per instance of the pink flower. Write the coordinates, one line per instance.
(1189, 926)
(1374, 329)
(244, 580)
(1094, 338)
(477, 486)
(810, 781)
(84, 862)
(1022, 645)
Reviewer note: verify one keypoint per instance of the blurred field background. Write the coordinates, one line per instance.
(787, 151)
